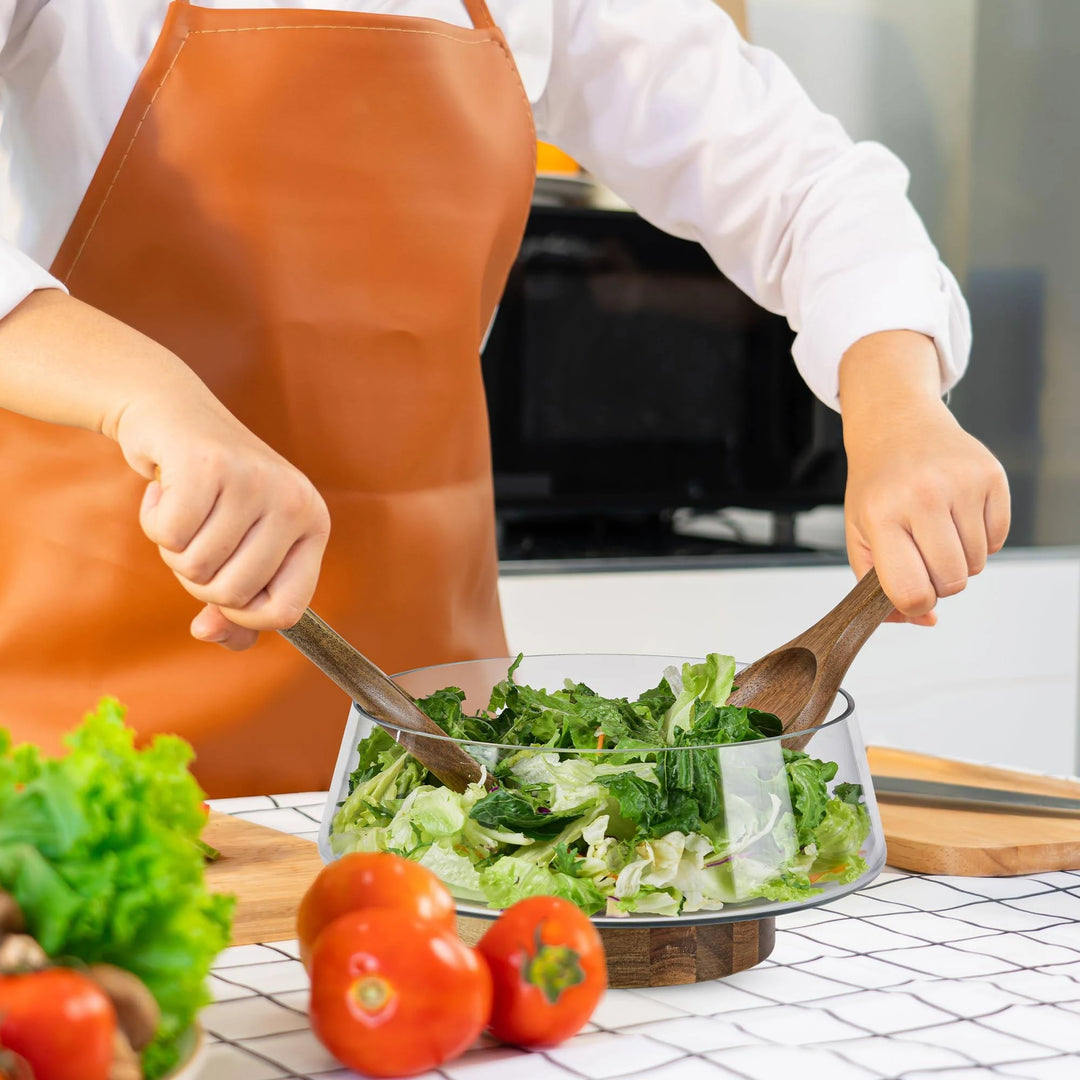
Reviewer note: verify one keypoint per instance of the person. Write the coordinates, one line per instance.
(257, 249)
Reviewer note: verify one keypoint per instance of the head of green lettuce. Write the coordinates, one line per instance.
(100, 848)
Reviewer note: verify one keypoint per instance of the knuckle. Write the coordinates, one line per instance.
(212, 459)
(927, 495)
(302, 503)
(194, 568)
(952, 586)
(996, 475)
(255, 478)
(914, 600)
(320, 530)
(167, 534)
(298, 501)
(287, 611)
(197, 574)
(231, 595)
(878, 505)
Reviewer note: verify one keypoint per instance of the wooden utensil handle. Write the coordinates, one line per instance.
(856, 617)
(383, 700)
(835, 641)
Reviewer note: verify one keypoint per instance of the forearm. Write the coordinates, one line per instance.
(885, 378)
(68, 363)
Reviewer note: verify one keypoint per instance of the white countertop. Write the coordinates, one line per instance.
(912, 978)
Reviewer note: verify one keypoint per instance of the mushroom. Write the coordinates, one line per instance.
(11, 916)
(13, 1067)
(125, 1062)
(20, 952)
(137, 1011)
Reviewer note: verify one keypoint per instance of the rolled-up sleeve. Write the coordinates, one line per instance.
(714, 140)
(20, 275)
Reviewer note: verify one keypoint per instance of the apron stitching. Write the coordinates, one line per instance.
(123, 160)
(245, 29)
(531, 147)
(501, 42)
(331, 26)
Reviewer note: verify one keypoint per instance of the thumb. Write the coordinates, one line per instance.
(858, 551)
(211, 625)
(151, 498)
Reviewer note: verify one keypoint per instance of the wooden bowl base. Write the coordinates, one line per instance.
(670, 955)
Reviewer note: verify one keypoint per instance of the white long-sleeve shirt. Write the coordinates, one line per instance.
(705, 136)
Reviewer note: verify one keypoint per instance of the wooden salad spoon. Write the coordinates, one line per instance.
(385, 702)
(799, 681)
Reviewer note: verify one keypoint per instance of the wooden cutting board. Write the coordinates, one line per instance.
(268, 872)
(932, 840)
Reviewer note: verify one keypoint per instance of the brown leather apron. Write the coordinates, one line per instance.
(317, 212)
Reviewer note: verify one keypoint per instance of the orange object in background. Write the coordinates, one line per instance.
(550, 159)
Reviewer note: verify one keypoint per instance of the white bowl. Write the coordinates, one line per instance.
(193, 1050)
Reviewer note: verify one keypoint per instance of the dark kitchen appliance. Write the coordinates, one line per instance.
(627, 377)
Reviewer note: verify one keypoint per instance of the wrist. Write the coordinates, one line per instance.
(894, 367)
(65, 362)
(889, 379)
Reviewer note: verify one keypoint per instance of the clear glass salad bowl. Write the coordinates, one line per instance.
(624, 784)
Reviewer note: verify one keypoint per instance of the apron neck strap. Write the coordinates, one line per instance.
(477, 9)
(478, 12)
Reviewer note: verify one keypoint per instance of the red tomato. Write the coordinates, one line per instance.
(60, 1022)
(395, 995)
(371, 879)
(548, 970)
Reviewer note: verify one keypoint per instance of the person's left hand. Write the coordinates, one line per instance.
(926, 502)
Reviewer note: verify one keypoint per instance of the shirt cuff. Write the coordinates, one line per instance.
(896, 295)
(20, 276)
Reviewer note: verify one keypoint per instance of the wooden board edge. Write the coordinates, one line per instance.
(959, 861)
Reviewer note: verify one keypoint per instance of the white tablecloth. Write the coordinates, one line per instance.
(913, 978)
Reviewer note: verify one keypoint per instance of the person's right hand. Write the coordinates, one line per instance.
(242, 529)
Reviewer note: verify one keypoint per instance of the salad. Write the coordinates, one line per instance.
(671, 803)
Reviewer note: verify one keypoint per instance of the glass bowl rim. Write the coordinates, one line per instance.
(848, 712)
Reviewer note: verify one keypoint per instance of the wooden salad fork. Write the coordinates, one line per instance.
(385, 702)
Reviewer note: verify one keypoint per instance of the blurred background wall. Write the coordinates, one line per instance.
(981, 99)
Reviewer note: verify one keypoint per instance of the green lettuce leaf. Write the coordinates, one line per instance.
(709, 682)
(842, 831)
(651, 809)
(510, 879)
(100, 849)
(808, 780)
(516, 811)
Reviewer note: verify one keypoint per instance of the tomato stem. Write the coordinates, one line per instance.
(553, 969)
